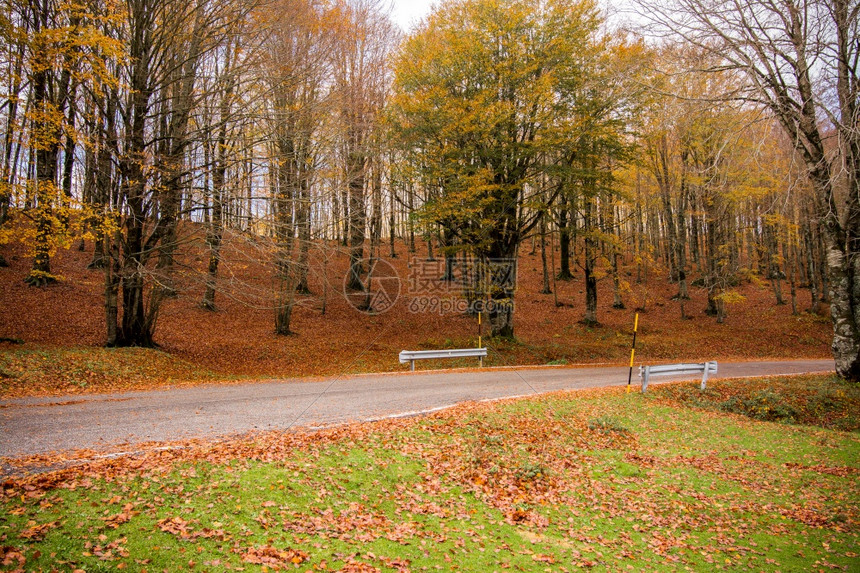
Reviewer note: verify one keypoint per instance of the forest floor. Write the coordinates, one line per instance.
(53, 337)
(752, 475)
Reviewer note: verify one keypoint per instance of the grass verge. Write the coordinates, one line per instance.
(42, 370)
(826, 401)
(596, 479)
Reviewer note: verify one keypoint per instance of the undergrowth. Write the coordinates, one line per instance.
(818, 400)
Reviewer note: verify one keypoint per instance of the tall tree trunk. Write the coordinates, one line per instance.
(590, 256)
(46, 141)
(815, 301)
(215, 225)
(774, 271)
(69, 156)
(134, 328)
(410, 197)
(614, 256)
(712, 227)
(346, 216)
(564, 240)
(181, 103)
(303, 224)
(284, 232)
(213, 242)
(640, 241)
(843, 265)
(500, 273)
(391, 221)
(376, 206)
(681, 239)
(112, 281)
(106, 136)
(791, 253)
(9, 170)
(546, 286)
(661, 171)
(694, 231)
(356, 163)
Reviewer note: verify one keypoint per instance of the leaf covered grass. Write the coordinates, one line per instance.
(44, 370)
(594, 479)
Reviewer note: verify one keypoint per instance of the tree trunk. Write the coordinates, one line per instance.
(410, 196)
(614, 257)
(811, 269)
(134, 329)
(792, 254)
(391, 221)
(546, 286)
(215, 227)
(346, 216)
(711, 277)
(590, 256)
(46, 140)
(303, 222)
(102, 185)
(112, 275)
(681, 239)
(661, 171)
(564, 241)
(286, 301)
(284, 230)
(843, 265)
(357, 218)
(500, 313)
(68, 158)
(694, 231)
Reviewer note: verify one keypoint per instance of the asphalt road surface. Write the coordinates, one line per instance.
(108, 421)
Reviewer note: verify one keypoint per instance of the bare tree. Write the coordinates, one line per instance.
(164, 44)
(367, 38)
(800, 58)
(296, 67)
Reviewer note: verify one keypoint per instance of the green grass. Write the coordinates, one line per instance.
(599, 480)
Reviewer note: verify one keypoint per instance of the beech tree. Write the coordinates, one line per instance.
(296, 67)
(689, 149)
(51, 48)
(366, 40)
(800, 59)
(599, 106)
(477, 101)
(159, 72)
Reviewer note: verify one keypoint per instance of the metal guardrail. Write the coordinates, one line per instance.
(412, 355)
(706, 368)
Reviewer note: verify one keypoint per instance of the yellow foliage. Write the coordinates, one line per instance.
(730, 296)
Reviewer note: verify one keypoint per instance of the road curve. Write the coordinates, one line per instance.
(105, 421)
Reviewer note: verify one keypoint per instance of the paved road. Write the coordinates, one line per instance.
(41, 425)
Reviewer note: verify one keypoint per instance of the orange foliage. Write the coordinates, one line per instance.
(239, 339)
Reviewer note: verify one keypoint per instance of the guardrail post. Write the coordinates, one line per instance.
(646, 374)
(705, 375)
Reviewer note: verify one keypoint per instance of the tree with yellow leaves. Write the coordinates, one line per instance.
(481, 93)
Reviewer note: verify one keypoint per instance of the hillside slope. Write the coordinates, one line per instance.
(238, 339)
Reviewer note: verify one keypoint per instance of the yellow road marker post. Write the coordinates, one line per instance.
(480, 359)
(632, 351)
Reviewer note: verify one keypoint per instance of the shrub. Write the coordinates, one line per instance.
(765, 405)
(607, 425)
